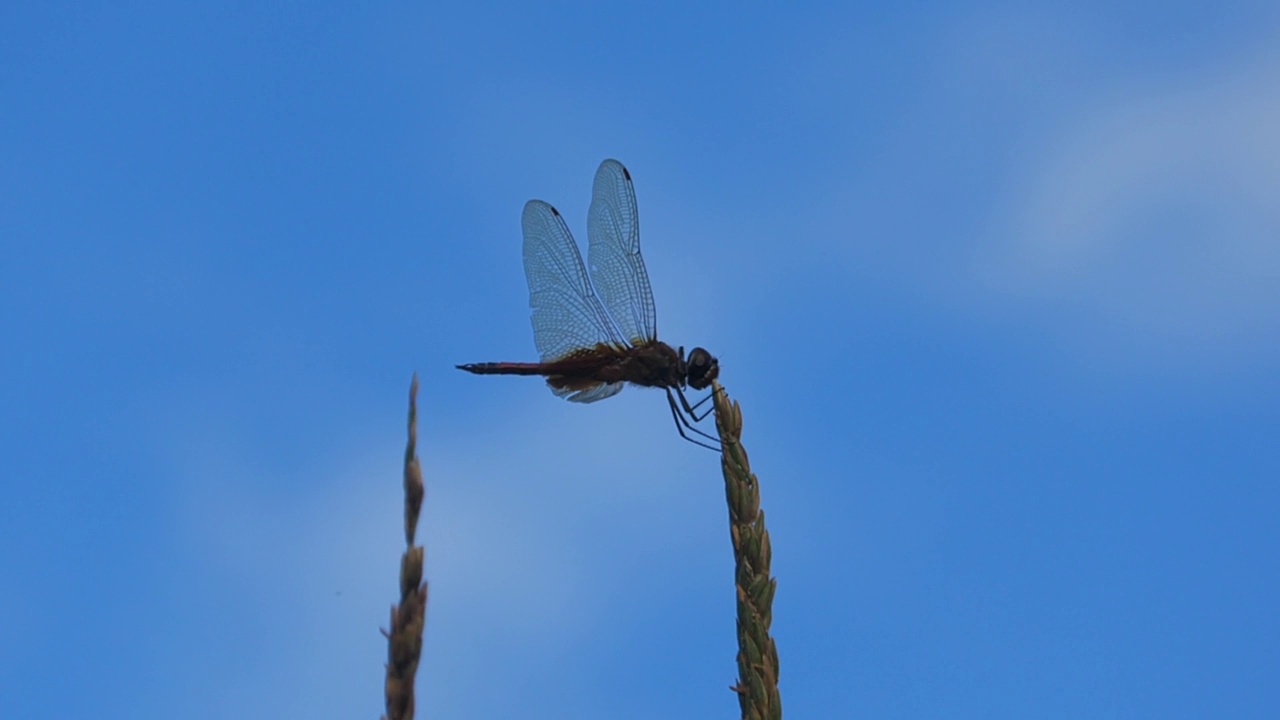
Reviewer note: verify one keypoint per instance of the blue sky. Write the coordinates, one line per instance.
(998, 288)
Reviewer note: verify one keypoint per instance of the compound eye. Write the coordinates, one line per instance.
(702, 369)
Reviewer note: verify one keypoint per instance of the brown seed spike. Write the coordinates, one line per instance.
(757, 685)
(404, 638)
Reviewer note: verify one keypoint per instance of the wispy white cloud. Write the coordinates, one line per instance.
(1153, 222)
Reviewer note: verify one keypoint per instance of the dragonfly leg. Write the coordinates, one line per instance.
(691, 410)
(682, 423)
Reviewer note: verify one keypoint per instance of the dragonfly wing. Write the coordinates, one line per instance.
(617, 269)
(567, 315)
(591, 394)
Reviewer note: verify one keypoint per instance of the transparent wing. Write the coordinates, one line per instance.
(590, 395)
(567, 315)
(617, 270)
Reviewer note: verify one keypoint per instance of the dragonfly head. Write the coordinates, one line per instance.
(701, 368)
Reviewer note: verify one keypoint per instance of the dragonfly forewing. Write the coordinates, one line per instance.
(566, 313)
(613, 253)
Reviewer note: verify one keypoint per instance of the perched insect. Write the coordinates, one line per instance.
(595, 334)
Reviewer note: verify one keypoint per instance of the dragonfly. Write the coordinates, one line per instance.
(595, 334)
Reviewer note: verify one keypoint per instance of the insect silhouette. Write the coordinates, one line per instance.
(595, 334)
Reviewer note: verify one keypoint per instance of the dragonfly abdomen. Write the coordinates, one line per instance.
(504, 368)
